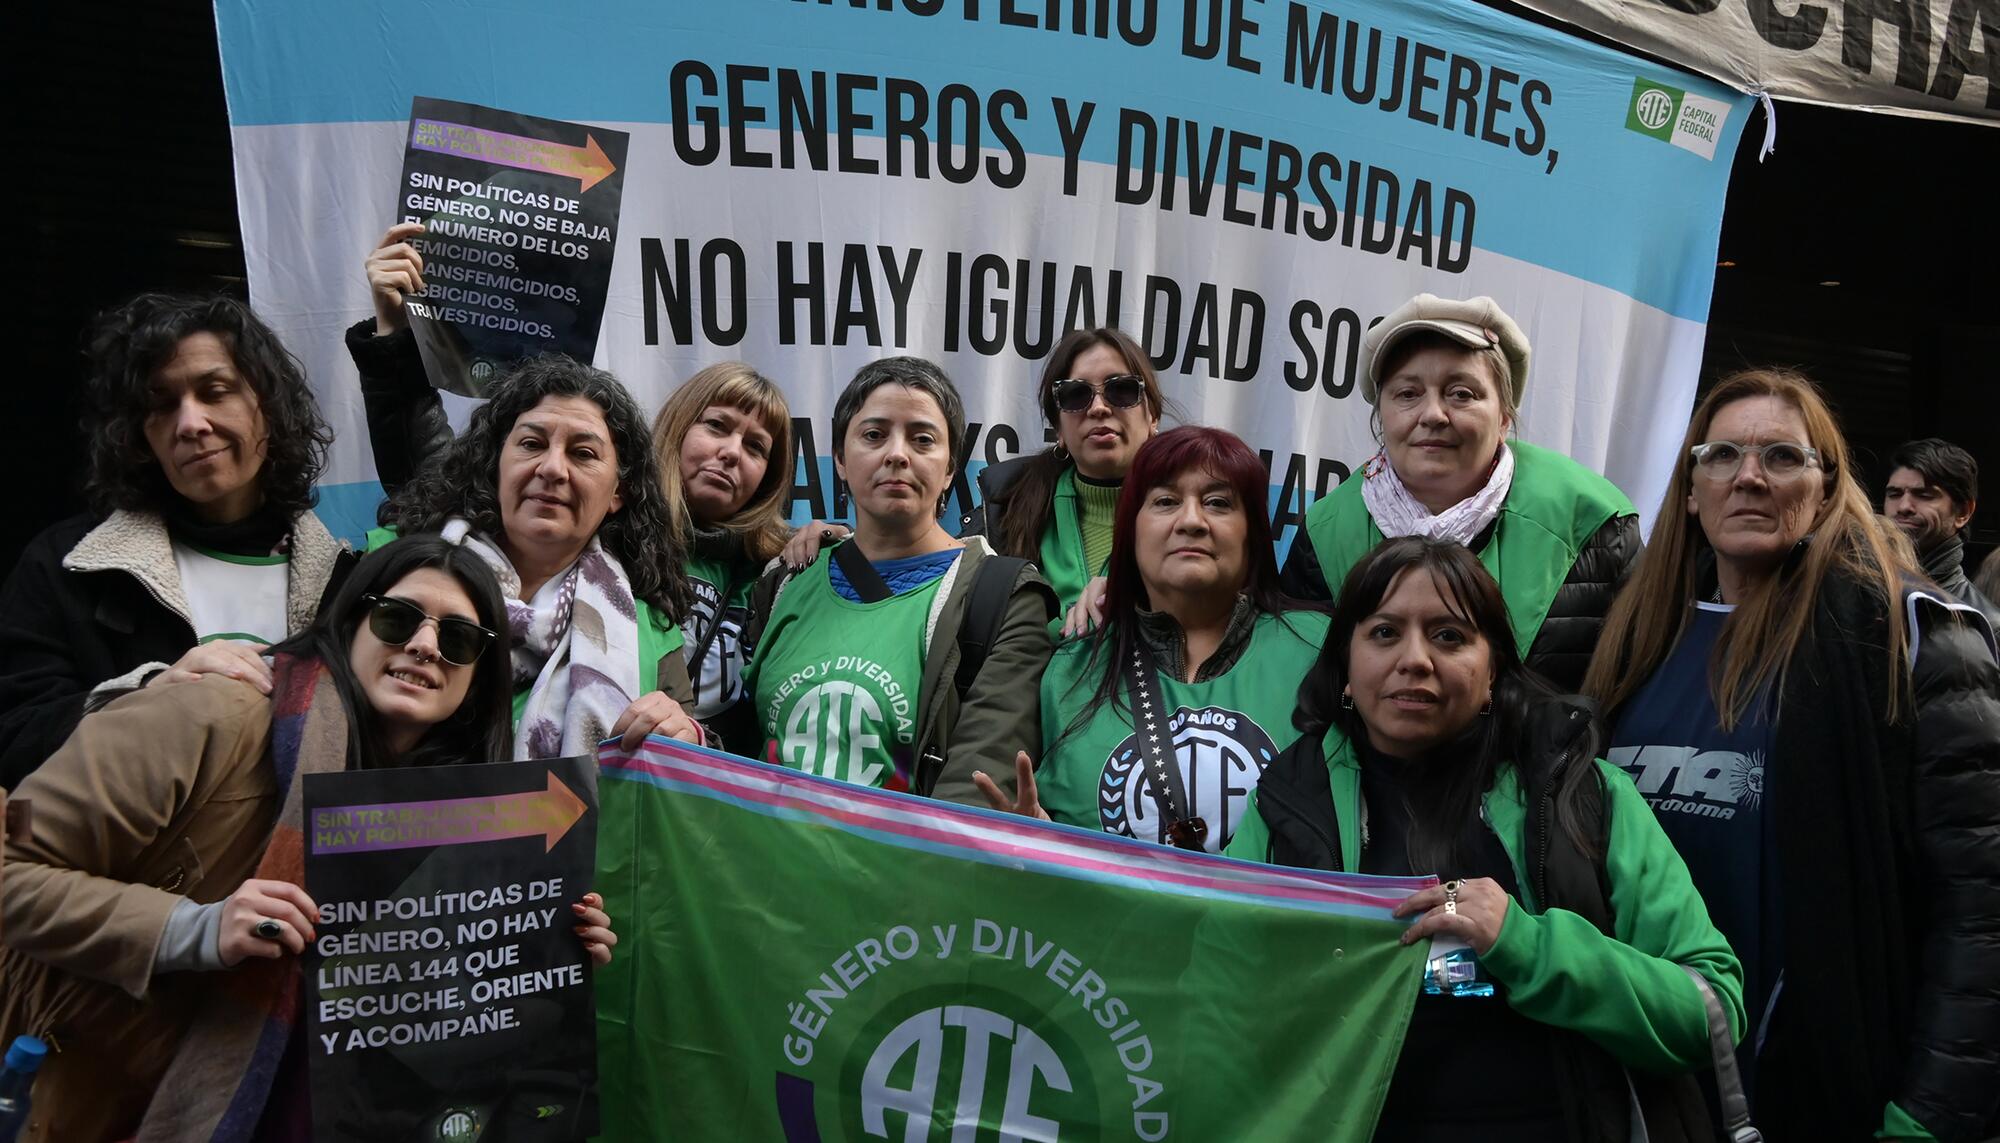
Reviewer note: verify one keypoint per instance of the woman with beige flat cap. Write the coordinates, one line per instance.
(1445, 378)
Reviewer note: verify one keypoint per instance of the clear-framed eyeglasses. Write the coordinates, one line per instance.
(1780, 460)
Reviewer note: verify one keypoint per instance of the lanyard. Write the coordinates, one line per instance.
(1169, 791)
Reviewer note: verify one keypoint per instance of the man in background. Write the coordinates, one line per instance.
(1932, 493)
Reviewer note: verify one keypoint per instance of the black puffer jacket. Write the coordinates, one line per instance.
(1888, 834)
(1945, 564)
(1562, 648)
(406, 418)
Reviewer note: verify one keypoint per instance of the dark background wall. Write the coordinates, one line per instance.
(1864, 250)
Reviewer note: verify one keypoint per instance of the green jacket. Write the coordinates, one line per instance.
(660, 645)
(1552, 512)
(1628, 995)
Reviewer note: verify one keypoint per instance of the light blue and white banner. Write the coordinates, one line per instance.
(1246, 184)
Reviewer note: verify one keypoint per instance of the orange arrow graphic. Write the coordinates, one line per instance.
(588, 164)
(548, 812)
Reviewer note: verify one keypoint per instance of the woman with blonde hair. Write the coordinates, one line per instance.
(724, 441)
(1814, 727)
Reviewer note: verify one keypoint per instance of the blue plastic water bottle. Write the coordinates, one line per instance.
(24, 1058)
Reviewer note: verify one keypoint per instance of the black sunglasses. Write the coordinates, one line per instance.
(395, 621)
(1120, 392)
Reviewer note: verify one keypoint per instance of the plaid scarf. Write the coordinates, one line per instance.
(221, 1074)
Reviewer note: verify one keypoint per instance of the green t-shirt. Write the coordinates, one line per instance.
(836, 682)
(1225, 732)
(718, 678)
(1062, 557)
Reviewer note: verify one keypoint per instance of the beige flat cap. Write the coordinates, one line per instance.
(1473, 322)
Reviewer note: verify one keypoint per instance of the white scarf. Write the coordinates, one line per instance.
(576, 648)
(1397, 513)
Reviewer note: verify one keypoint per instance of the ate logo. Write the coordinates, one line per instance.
(1220, 754)
(832, 733)
(968, 1069)
(719, 676)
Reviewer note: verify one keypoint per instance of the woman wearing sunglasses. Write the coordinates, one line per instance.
(1198, 633)
(1815, 729)
(1427, 748)
(1445, 380)
(1100, 397)
(154, 913)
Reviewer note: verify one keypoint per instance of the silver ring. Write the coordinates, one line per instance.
(268, 929)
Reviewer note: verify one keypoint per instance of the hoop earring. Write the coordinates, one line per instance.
(1346, 701)
(1488, 708)
(1061, 451)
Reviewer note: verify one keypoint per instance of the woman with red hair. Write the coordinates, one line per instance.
(1159, 724)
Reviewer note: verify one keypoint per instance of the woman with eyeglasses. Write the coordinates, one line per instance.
(902, 659)
(1596, 983)
(1099, 395)
(1159, 725)
(1445, 379)
(154, 914)
(1815, 728)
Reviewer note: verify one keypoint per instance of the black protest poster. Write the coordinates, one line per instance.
(520, 216)
(447, 994)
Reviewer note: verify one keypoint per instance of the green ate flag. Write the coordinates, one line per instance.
(803, 959)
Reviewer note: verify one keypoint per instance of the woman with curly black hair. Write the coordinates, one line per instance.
(203, 445)
(555, 484)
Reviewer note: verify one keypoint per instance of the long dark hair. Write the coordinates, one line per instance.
(1447, 800)
(464, 480)
(127, 345)
(1018, 529)
(478, 731)
(1160, 461)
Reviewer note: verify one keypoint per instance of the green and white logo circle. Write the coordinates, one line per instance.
(458, 1125)
(942, 1063)
(1653, 108)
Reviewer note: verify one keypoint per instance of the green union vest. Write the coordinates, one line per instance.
(1553, 508)
(1225, 731)
(836, 682)
(1062, 559)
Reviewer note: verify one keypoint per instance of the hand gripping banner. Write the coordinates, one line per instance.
(802, 959)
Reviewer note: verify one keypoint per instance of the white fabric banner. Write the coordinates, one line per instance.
(1323, 169)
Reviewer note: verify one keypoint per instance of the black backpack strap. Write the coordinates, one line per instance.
(861, 575)
(986, 610)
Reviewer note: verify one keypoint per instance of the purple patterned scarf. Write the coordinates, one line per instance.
(576, 648)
